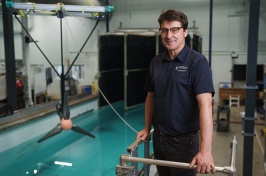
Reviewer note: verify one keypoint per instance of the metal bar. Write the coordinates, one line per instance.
(125, 71)
(210, 34)
(55, 7)
(230, 170)
(25, 29)
(134, 153)
(253, 34)
(137, 70)
(137, 142)
(62, 77)
(107, 17)
(10, 61)
(97, 22)
(233, 155)
(147, 155)
(128, 158)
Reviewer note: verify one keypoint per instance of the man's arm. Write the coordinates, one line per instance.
(204, 159)
(149, 109)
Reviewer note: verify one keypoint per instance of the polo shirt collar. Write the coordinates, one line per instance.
(181, 56)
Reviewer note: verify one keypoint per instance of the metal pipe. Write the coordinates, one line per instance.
(230, 170)
(252, 57)
(137, 142)
(233, 154)
(210, 34)
(97, 22)
(146, 167)
(127, 158)
(25, 29)
(107, 17)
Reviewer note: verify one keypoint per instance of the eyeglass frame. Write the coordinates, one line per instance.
(165, 30)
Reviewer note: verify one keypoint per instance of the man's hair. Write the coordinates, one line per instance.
(174, 15)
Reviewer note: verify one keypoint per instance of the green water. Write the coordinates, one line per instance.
(88, 156)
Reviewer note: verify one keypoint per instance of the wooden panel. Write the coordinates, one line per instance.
(225, 92)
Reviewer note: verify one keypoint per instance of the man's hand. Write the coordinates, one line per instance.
(143, 134)
(204, 162)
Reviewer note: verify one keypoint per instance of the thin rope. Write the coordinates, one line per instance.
(98, 85)
(116, 111)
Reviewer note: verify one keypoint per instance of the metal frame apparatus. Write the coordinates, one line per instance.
(132, 170)
(32, 6)
(55, 7)
(60, 9)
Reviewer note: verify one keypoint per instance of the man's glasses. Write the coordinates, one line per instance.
(173, 30)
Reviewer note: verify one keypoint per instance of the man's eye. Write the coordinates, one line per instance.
(174, 30)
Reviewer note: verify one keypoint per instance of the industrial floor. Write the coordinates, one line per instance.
(221, 144)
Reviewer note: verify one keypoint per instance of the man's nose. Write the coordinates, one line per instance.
(169, 34)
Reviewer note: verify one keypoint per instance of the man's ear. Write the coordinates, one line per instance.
(185, 32)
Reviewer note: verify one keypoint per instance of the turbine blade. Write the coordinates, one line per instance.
(80, 130)
(58, 129)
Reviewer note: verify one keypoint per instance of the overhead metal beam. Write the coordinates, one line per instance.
(55, 7)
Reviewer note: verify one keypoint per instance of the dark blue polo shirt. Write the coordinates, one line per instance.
(175, 84)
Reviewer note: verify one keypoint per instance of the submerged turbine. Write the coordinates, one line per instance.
(65, 122)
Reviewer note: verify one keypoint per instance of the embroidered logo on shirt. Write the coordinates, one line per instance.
(181, 68)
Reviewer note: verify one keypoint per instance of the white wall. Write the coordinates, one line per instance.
(75, 32)
(229, 33)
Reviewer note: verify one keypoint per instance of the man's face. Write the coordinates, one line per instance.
(173, 35)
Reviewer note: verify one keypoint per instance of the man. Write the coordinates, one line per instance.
(179, 101)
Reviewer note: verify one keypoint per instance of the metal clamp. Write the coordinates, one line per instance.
(248, 134)
(250, 87)
(249, 118)
(125, 170)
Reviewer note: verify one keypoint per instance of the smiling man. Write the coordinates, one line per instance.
(179, 101)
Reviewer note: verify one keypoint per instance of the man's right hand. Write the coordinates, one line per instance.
(143, 134)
